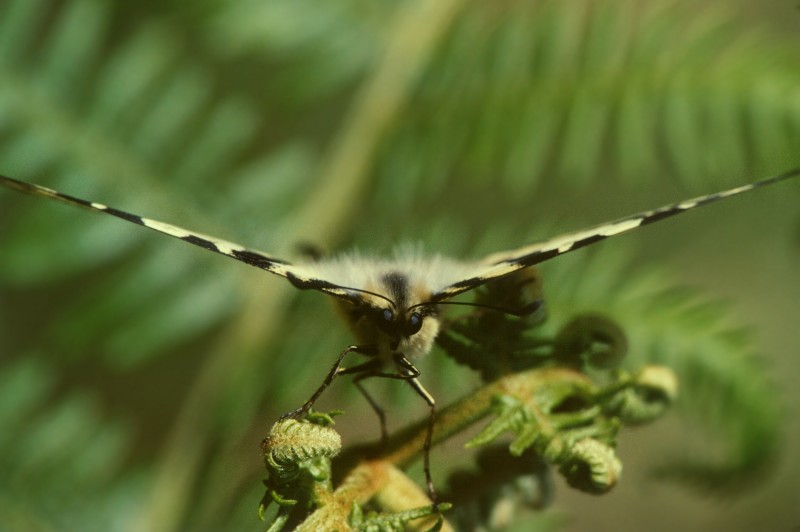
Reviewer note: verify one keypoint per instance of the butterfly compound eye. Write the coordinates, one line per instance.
(388, 315)
(414, 323)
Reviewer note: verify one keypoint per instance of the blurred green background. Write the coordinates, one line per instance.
(138, 374)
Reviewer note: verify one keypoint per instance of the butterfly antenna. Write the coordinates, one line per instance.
(525, 310)
(361, 290)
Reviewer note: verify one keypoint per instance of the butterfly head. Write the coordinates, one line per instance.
(410, 331)
(393, 315)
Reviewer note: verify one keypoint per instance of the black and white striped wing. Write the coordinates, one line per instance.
(295, 274)
(498, 265)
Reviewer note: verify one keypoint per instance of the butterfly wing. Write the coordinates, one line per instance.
(296, 274)
(499, 265)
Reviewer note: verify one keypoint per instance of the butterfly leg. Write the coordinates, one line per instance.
(361, 372)
(335, 371)
(372, 369)
(428, 436)
(410, 374)
(406, 372)
(375, 406)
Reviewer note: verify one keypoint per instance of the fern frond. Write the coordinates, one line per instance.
(147, 120)
(580, 91)
(724, 390)
(56, 459)
(318, 49)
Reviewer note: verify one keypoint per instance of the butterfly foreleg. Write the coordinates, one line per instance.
(335, 371)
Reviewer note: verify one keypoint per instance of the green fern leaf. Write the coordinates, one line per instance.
(723, 386)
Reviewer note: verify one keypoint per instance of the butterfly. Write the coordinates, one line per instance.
(393, 306)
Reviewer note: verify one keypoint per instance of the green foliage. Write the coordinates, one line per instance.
(574, 425)
(723, 388)
(229, 116)
(58, 451)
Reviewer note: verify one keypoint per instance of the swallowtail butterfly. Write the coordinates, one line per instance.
(392, 305)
